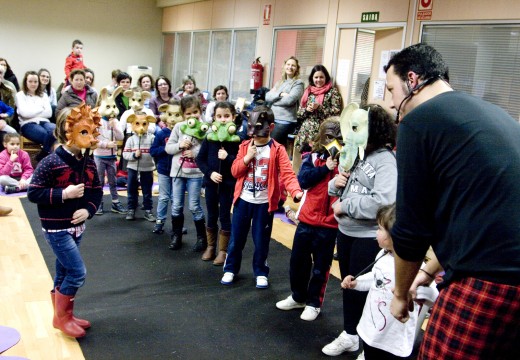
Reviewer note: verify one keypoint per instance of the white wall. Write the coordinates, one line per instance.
(115, 34)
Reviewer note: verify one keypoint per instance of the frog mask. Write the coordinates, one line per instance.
(81, 127)
(195, 128)
(223, 132)
(354, 129)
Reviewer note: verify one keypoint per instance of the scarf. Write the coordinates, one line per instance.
(318, 92)
(81, 93)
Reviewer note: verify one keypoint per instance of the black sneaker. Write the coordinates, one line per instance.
(158, 227)
(10, 189)
(100, 211)
(118, 208)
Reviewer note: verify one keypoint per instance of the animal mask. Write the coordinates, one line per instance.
(106, 104)
(223, 132)
(170, 114)
(136, 99)
(140, 123)
(329, 137)
(354, 129)
(258, 122)
(195, 128)
(81, 127)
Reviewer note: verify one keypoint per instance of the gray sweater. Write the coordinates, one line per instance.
(285, 107)
(189, 169)
(372, 184)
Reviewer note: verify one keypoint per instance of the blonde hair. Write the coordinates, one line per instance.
(296, 73)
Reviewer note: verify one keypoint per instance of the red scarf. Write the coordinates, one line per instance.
(318, 92)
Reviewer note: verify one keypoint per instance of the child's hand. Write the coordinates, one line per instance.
(185, 144)
(188, 154)
(137, 154)
(216, 177)
(79, 216)
(111, 145)
(14, 156)
(348, 282)
(222, 154)
(112, 123)
(22, 184)
(3, 123)
(74, 191)
(336, 207)
(251, 153)
(341, 180)
(331, 163)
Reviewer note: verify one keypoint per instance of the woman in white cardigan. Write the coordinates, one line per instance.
(34, 111)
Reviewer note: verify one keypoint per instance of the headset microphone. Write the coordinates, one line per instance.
(411, 93)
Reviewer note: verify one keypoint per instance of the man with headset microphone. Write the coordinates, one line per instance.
(458, 163)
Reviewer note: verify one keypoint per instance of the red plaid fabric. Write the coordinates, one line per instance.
(474, 319)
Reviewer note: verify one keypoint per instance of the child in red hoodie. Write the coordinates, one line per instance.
(74, 60)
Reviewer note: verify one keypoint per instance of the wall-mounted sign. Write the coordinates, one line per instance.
(267, 14)
(370, 17)
(424, 12)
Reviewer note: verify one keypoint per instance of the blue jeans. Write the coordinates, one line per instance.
(109, 166)
(42, 133)
(70, 268)
(132, 186)
(243, 213)
(179, 187)
(165, 196)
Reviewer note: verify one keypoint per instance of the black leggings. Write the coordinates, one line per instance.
(354, 254)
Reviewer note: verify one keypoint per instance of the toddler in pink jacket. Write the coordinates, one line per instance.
(15, 165)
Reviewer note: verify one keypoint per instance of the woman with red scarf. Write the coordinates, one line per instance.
(320, 100)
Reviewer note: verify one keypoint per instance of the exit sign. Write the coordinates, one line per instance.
(370, 17)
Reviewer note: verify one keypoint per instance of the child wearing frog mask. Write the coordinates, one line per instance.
(163, 161)
(217, 153)
(184, 144)
(15, 165)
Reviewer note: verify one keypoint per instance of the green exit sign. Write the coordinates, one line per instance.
(370, 16)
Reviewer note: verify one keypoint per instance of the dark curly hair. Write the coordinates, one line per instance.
(382, 130)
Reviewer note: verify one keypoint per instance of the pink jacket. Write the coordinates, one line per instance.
(20, 168)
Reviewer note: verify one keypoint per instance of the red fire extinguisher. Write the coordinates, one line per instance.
(257, 75)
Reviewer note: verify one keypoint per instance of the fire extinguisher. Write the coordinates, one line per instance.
(257, 75)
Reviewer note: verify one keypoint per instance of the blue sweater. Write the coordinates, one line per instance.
(163, 161)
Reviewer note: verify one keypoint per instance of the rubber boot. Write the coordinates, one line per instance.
(202, 241)
(211, 235)
(85, 324)
(176, 238)
(223, 240)
(64, 309)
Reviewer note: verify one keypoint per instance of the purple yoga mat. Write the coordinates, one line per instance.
(9, 337)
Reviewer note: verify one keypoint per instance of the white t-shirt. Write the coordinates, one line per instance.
(378, 327)
(254, 189)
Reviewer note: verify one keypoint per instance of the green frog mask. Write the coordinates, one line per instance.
(195, 128)
(223, 132)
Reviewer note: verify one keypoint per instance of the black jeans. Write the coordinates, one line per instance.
(281, 131)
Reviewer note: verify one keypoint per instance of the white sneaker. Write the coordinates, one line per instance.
(262, 282)
(227, 279)
(310, 313)
(344, 342)
(361, 356)
(289, 304)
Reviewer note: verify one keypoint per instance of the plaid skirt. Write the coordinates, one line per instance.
(474, 319)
